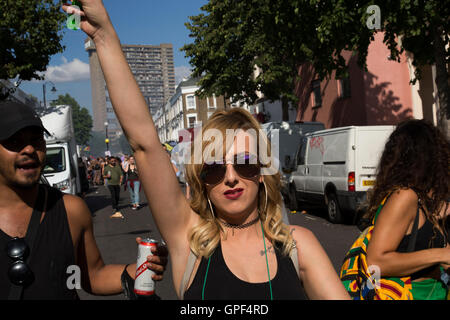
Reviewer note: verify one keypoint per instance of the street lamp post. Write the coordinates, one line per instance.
(43, 92)
(106, 136)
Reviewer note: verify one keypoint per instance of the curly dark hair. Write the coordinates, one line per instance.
(416, 156)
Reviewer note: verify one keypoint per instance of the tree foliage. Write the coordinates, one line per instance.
(30, 32)
(233, 39)
(82, 120)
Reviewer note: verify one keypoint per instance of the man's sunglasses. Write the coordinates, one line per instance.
(245, 166)
(19, 272)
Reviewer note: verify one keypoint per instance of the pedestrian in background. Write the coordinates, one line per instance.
(133, 184)
(113, 175)
(409, 209)
(97, 168)
(83, 177)
(104, 164)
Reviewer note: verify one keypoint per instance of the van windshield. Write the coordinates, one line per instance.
(56, 160)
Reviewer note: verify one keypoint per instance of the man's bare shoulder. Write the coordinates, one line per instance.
(77, 210)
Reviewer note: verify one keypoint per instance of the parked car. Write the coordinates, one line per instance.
(336, 167)
(289, 136)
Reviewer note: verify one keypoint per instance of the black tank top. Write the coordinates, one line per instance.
(132, 174)
(222, 284)
(53, 254)
(427, 237)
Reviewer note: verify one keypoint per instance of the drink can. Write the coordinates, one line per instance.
(143, 283)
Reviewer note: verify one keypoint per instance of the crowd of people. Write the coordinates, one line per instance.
(113, 173)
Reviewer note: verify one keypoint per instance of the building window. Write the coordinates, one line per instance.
(190, 102)
(344, 87)
(191, 120)
(317, 97)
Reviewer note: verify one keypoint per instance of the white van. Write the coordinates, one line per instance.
(61, 167)
(336, 167)
(289, 134)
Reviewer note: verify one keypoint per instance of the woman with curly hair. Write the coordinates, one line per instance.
(413, 182)
(228, 241)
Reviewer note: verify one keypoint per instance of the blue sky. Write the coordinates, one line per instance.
(136, 22)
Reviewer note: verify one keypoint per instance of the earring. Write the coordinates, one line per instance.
(265, 203)
(211, 209)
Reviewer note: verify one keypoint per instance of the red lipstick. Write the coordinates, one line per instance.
(233, 194)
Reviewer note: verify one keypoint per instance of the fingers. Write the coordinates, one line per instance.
(70, 9)
(157, 277)
(160, 250)
(156, 264)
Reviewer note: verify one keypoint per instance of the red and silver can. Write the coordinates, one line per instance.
(143, 283)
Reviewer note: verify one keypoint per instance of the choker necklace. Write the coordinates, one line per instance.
(240, 226)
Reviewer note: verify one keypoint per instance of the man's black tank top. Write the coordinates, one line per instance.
(222, 284)
(53, 254)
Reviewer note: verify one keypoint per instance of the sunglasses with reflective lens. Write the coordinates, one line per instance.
(246, 166)
(19, 272)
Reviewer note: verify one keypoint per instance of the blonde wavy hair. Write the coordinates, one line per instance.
(205, 236)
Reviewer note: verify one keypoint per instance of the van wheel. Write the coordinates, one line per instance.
(334, 212)
(293, 204)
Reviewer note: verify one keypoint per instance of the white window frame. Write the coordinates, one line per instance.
(188, 107)
(188, 116)
(215, 101)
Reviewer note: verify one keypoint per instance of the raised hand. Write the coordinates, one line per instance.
(94, 18)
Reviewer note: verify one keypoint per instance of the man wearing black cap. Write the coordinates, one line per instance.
(45, 234)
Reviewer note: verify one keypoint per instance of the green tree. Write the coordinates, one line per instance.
(236, 40)
(30, 33)
(233, 38)
(82, 120)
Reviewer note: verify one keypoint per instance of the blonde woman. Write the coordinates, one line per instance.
(231, 229)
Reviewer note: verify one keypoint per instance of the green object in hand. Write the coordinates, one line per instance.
(73, 21)
(77, 3)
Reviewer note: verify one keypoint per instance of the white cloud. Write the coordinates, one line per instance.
(74, 70)
(182, 72)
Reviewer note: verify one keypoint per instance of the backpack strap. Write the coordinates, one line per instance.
(293, 254)
(187, 273)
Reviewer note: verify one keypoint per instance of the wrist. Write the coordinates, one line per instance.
(103, 36)
(440, 255)
(131, 270)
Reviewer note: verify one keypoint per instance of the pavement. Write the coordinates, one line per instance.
(116, 238)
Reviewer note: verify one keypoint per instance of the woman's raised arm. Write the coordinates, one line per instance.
(166, 200)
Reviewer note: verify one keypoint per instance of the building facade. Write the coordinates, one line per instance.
(153, 69)
(185, 110)
(382, 95)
